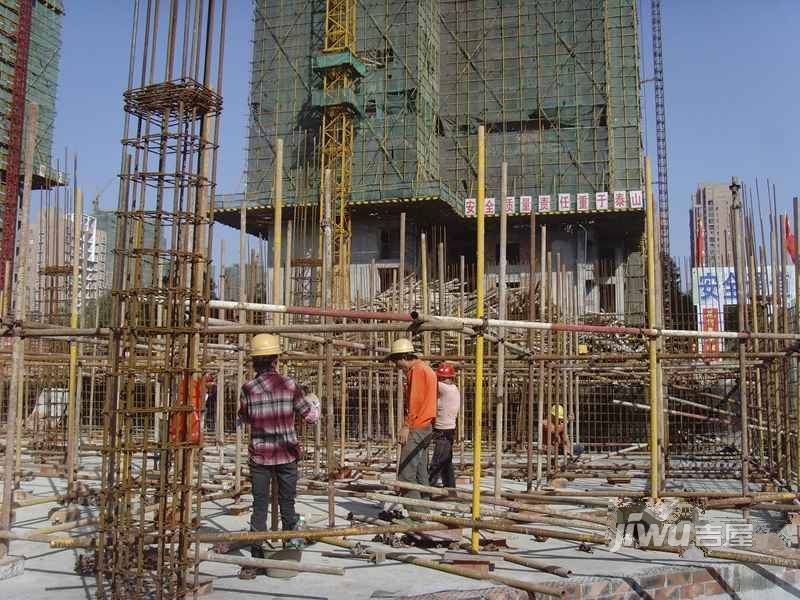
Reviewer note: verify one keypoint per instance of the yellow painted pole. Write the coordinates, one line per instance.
(72, 410)
(277, 227)
(477, 413)
(651, 322)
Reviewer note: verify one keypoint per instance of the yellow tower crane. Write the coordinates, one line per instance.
(340, 69)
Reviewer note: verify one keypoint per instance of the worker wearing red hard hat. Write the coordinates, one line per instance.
(444, 427)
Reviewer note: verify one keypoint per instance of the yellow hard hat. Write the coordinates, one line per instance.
(557, 411)
(401, 346)
(265, 344)
(583, 349)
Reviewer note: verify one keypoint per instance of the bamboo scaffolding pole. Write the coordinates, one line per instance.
(531, 367)
(738, 230)
(315, 534)
(453, 570)
(18, 348)
(442, 293)
(535, 564)
(477, 524)
(796, 212)
(327, 274)
(655, 480)
(508, 516)
(543, 288)
(72, 407)
(266, 563)
(426, 300)
(501, 348)
(277, 226)
(242, 317)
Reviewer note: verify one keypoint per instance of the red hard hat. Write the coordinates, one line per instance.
(444, 371)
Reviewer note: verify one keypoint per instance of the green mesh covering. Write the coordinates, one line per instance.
(556, 82)
(43, 63)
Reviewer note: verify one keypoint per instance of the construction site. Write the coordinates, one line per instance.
(458, 184)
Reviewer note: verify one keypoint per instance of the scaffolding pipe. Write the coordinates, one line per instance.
(652, 343)
(18, 356)
(501, 347)
(478, 401)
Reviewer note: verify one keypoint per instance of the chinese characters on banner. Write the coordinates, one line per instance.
(714, 288)
(544, 203)
(470, 207)
(562, 202)
(710, 322)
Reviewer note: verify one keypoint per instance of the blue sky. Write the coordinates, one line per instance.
(731, 74)
(732, 93)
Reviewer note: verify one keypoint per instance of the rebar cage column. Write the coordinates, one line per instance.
(160, 295)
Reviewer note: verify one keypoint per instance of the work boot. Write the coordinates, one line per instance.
(295, 544)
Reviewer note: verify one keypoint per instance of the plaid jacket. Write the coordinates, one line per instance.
(269, 403)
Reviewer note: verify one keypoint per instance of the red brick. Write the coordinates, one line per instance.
(667, 593)
(596, 589)
(791, 575)
(694, 590)
(620, 587)
(711, 588)
(679, 578)
(701, 576)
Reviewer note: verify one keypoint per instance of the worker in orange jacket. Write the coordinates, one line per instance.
(420, 407)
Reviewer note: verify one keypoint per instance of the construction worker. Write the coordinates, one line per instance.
(420, 412)
(555, 432)
(444, 428)
(210, 409)
(269, 404)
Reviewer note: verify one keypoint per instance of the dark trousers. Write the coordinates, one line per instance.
(413, 466)
(261, 478)
(442, 461)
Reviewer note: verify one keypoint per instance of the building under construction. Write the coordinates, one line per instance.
(596, 452)
(556, 84)
(30, 42)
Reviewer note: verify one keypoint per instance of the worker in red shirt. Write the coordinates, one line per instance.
(420, 406)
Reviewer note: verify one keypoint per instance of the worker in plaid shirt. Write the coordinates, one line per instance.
(269, 404)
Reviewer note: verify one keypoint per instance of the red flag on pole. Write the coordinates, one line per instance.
(700, 245)
(791, 241)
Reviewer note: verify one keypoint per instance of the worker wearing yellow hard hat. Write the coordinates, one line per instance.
(265, 344)
(269, 403)
(555, 432)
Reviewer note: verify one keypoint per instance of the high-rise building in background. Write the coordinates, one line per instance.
(30, 47)
(710, 226)
(50, 264)
(107, 222)
(554, 82)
